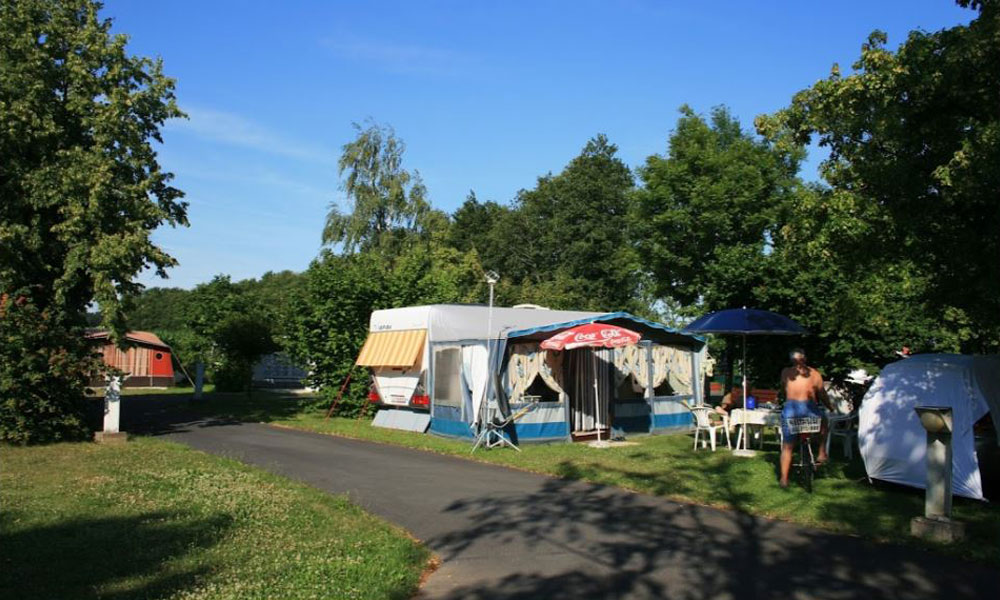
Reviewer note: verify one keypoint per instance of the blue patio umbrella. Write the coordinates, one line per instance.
(743, 322)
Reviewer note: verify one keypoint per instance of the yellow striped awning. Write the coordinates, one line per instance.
(392, 348)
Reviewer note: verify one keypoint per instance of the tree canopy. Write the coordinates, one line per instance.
(82, 193)
(910, 222)
(385, 198)
(708, 209)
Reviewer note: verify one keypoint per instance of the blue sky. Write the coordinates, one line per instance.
(487, 96)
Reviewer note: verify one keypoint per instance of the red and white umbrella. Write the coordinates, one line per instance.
(593, 335)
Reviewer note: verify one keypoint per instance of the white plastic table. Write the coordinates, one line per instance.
(759, 418)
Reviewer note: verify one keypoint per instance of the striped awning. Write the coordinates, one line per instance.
(392, 348)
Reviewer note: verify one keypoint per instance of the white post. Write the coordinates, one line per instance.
(112, 411)
(112, 404)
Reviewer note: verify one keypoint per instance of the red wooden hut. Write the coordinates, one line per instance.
(146, 359)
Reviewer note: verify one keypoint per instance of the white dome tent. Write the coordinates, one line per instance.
(892, 441)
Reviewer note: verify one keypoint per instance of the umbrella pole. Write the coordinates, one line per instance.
(745, 451)
(743, 367)
(597, 397)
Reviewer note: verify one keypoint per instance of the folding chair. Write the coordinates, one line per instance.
(491, 435)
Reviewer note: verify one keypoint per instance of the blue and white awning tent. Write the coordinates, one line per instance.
(462, 369)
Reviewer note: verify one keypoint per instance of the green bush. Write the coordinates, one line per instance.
(43, 372)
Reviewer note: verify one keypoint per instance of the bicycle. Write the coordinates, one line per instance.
(804, 427)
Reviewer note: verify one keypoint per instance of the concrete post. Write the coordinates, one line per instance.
(939, 471)
(936, 524)
(112, 411)
(199, 379)
(112, 405)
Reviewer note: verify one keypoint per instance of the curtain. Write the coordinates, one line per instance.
(528, 361)
(670, 364)
(475, 374)
(585, 404)
(628, 360)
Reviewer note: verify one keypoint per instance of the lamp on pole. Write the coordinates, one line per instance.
(492, 277)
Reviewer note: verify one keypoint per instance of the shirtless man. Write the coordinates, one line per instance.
(803, 386)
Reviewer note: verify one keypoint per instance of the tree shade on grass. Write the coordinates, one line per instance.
(152, 519)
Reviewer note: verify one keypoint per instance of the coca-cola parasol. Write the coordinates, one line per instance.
(593, 335)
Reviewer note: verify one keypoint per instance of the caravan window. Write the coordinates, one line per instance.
(448, 377)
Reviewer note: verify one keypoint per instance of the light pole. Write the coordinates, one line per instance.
(492, 277)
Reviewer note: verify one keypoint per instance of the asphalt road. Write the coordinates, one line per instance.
(507, 534)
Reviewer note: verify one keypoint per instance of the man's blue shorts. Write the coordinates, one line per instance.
(794, 409)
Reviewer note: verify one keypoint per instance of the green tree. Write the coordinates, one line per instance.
(341, 291)
(82, 192)
(232, 330)
(160, 309)
(242, 340)
(912, 216)
(385, 198)
(566, 243)
(707, 210)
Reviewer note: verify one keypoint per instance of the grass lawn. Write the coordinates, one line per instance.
(665, 465)
(154, 519)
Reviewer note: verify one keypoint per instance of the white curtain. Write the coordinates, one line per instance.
(475, 374)
(628, 361)
(678, 365)
(586, 402)
(670, 364)
(528, 361)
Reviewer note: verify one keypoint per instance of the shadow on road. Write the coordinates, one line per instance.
(636, 547)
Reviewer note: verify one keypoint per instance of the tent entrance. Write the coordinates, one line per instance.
(590, 378)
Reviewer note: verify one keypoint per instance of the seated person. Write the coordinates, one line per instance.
(734, 399)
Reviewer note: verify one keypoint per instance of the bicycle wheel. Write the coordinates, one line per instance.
(805, 466)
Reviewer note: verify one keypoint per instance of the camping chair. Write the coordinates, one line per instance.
(491, 435)
(843, 423)
(702, 422)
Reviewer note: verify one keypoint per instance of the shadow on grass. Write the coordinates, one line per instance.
(587, 540)
(119, 558)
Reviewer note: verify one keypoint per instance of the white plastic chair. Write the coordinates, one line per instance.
(702, 422)
(843, 424)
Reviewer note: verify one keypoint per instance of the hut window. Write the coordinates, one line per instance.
(448, 377)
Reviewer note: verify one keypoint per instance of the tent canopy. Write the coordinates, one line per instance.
(746, 321)
(892, 441)
(649, 330)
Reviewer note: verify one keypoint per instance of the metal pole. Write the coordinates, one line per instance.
(743, 367)
(597, 396)
(489, 360)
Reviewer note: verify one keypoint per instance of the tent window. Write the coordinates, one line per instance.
(544, 392)
(448, 377)
(629, 389)
(664, 389)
